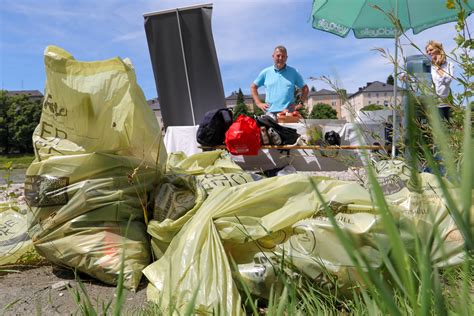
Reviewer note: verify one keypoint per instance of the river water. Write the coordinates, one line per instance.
(16, 175)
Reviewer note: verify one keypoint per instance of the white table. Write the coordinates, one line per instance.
(183, 138)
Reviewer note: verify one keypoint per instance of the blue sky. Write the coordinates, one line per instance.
(245, 33)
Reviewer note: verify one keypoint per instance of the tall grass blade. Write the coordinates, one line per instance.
(189, 310)
(120, 295)
(9, 305)
(283, 301)
(400, 255)
(452, 207)
(438, 296)
(271, 297)
(426, 286)
(370, 278)
(244, 287)
(467, 178)
(441, 142)
(82, 298)
(467, 286)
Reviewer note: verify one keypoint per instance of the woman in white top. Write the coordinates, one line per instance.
(442, 74)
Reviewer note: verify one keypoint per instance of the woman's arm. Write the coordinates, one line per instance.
(446, 74)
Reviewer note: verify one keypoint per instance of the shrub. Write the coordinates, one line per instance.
(372, 107)
(323, 111)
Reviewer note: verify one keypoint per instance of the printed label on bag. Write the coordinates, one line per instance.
(46, 190)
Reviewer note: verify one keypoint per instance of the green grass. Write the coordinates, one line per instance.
(16, 161)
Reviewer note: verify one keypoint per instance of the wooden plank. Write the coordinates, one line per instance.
(309, 147)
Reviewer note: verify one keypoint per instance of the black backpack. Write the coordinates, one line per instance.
(288, 135)
(332, 138)
(211, 131)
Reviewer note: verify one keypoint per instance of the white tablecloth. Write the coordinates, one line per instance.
(183, 138)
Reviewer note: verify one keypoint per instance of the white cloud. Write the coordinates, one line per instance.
(130, 36)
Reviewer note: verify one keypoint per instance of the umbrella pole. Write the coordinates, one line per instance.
(394, 110)
(395, 84)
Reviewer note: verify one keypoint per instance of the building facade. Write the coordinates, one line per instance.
(231, 101)
(373, 93)
(325, 96)
(155, 106)
(32, 95)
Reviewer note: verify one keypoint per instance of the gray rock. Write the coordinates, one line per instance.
(61, 285)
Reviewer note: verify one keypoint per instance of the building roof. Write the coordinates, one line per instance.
(29, 93)
(233, 96)
(376, 86)
(322, 92)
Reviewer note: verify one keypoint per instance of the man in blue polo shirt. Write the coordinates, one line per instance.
(280, 81)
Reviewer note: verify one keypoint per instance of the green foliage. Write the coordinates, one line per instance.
(257, 111)
(390, 80)
(342, 93)
(304, 112)
(323, 111)
(412, 283)
(240, 97)
(4, 134)
(313, 89)
(16, 161)
(420, 98)
(18, 118)
(314, 135)
(297, 94)
(240, 108)
(372, 107)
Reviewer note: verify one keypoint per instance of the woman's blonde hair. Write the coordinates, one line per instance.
(438, 48)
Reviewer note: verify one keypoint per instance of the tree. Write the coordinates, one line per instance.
(372, 107)
(256, 110)
(323, 111)
(390, 80)
(19, 117)
(297, 94)
(313, 89)
(4, 135)
(304, 112)
(240, 97)
(240, 108)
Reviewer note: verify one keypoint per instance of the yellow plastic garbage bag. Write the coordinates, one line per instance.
(261, 276)
(216, 161)
(99, 152)
(238, 222)
(423, 211)
(282, 215)
(14, 239)
(185, 187)
(81, 206)
(179, 197)
(95, 107)
(316, 251)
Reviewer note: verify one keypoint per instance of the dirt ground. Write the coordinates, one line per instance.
(37, 290)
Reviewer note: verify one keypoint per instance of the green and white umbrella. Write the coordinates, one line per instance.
(366, 18)
(362, 17)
